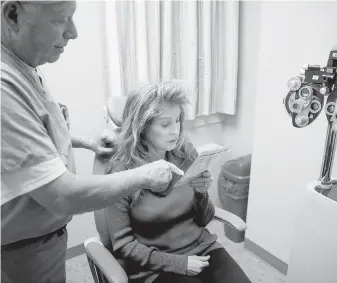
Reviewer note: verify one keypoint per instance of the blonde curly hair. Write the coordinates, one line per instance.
(141, 107)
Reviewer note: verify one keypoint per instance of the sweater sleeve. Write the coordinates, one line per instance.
(204, 209)
(127, 246)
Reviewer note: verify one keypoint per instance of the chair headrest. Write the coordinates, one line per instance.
(115, 107)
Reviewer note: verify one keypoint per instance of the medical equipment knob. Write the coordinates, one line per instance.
(323, 90)
(294, 83)
(301, 121)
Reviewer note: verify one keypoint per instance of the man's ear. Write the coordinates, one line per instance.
(11, 10)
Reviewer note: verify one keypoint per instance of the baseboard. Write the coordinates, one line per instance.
(75, 251)
(266, 256)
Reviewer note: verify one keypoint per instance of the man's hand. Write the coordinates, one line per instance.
(103, 145)
(156, 175)
(196, 264)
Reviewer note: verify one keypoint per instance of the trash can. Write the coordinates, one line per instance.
(233, 187)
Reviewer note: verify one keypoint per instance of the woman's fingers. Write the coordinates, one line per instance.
(196, 264)
(201, 181)
(203, 258)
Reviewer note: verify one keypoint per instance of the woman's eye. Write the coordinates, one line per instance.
(165, 125)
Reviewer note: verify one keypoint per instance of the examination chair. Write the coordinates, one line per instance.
(103, 265)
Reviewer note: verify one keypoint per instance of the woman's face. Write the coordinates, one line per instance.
(162, 135)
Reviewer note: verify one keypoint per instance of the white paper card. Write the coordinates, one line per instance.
(208, 154)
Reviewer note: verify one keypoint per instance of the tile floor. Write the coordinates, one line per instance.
(257, 270)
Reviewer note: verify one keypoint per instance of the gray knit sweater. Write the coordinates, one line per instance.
(152, 233)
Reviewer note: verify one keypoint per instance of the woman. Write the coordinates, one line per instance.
(162, 236)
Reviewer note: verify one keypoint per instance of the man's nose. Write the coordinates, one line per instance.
(71, 32)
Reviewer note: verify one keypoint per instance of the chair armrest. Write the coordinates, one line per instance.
(230, 218)
(105, 262)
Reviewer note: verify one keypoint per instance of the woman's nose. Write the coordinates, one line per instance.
(175, 129)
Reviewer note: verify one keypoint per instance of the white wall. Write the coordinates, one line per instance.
(285, 159)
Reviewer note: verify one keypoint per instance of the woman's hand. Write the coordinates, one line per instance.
(196, 264)
(202, 182)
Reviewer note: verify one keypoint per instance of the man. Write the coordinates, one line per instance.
(39, 189)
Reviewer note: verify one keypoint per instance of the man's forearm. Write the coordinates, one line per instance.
(72, 194)
(98, 191)
(82, 142)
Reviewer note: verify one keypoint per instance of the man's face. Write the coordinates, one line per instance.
(48, 31)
